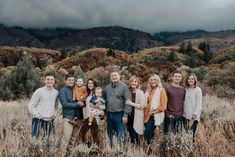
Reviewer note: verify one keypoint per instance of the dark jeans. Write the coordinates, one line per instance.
(149, 130)
(175, 124)
(79, 113)
(133, 134)
(115, 124)
(40, 124)
(193, 127)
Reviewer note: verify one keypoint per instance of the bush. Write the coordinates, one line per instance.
(5, 92)
(223, 57)
(24, 79)
(173, 56)
(200, 72)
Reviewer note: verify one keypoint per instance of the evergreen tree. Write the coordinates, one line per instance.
(79, 72)
(183, 47)
(202, 46)
(24, 79)
(191, 61)
(189, 48)
(173, 56)
(111, 53)
(5, 93)
(205, 47)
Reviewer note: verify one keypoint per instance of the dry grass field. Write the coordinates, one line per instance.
(215, 136)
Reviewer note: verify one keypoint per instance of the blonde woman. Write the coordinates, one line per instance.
(135, 125)
(156, 105)
(192, 103)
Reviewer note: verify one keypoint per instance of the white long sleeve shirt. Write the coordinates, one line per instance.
(43, 102)
(193, 103)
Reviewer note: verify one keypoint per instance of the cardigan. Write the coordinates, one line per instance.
(193, 103)
(140, 104)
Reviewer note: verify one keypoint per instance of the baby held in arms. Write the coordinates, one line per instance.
(97, 104)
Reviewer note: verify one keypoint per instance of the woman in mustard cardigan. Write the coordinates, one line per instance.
(156, 105)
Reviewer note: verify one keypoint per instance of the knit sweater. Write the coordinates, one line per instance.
(43, 102)
(116, 96)
(80, 93)
(175, 100)
(193, 103)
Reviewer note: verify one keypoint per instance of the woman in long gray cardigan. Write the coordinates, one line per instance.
(135, 124)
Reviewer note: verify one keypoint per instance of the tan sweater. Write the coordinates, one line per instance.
(43, 102)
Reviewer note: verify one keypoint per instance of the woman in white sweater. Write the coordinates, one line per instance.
(135, 123)
(192, 103)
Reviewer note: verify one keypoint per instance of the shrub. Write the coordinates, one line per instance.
(200, 72)
(223, 57)
(173, 56)
(24, 79)
(5, 93)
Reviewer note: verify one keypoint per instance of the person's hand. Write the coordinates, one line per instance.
(124, 120)
(93, 106)
(102, 113)
(190, 123)
(128, 102)
(98, 99)
(154, 111)
(81, 103)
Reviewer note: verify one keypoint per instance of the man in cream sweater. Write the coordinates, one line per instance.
(42, 107)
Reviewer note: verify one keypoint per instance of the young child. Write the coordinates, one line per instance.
(98, 104)
(79, 95)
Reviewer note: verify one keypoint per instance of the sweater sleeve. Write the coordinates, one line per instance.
(85, 93)
(127, 95)
(33, 103)
(64, 101)
(197, 109)
(141, 102)
(163, 101)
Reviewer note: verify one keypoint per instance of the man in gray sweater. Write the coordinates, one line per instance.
(115, 94)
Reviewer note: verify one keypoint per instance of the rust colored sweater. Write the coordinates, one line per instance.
(80, 93)
(175, 100)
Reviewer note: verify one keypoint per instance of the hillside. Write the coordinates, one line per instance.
(171, 38)
(9, 56)
(73, 39)
(129, 40)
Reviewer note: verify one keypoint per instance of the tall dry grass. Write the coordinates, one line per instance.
(215, 135)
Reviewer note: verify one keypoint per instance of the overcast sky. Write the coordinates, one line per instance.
(146, 15)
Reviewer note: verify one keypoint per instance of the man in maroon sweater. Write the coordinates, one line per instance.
(175, 101)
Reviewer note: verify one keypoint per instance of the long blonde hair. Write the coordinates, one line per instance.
(155, 76)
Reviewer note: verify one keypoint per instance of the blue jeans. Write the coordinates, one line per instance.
(149, 130)
(38, 125)
(175, 124)
(115, 124)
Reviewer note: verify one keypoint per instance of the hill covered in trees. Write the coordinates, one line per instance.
(69, 40)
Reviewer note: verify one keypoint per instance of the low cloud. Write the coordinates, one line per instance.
(146, 15)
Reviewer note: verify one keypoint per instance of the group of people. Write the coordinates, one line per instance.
(126, 108)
